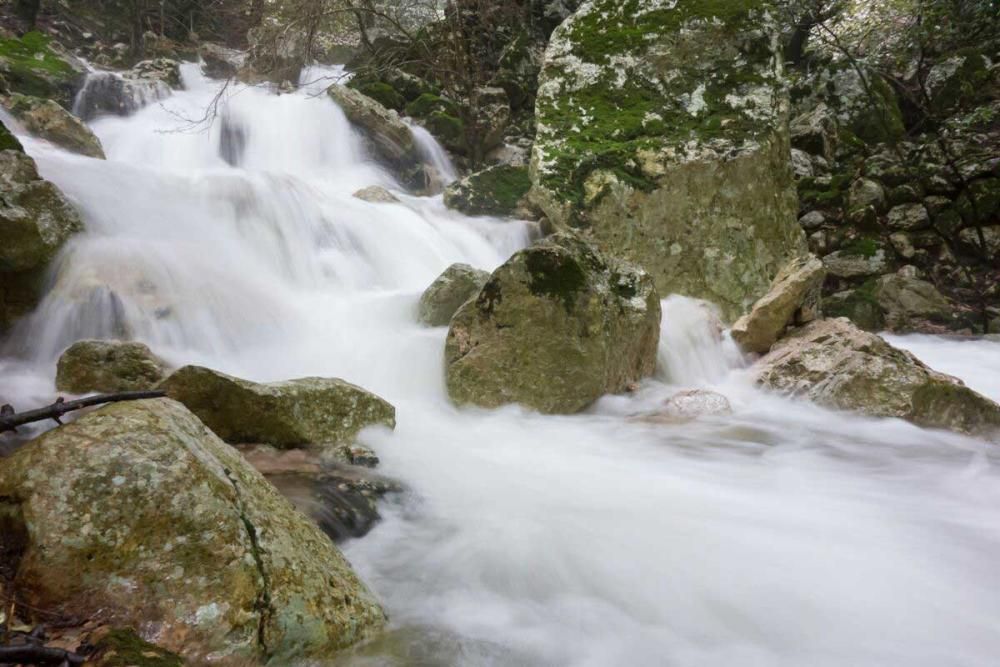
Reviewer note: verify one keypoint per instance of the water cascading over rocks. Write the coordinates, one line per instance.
(662, 130)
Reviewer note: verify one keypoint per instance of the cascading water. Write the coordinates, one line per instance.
(781, 534)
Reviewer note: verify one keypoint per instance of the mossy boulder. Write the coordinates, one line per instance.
(794, 299)
(306, 411)
(835, 364)
(108, 366)
(440, 301)
(859, 305)
(48, 120)
(496, 190)
(555, 327)
(123, 647)
(663, 131)
(390, 139)
(29, 65)
(138, 516)
(36, 220)
(864, 105)
(964, 79)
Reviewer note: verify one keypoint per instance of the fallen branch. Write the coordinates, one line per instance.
(10, 420)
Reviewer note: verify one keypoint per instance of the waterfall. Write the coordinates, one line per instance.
(779, 535)
(114, 93)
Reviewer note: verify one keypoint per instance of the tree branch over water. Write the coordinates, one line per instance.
(10, 420)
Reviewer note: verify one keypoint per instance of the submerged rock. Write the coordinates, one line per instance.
(494, 191)
(376, 194)
(138, 515)
(458, 284)
(662, 129)
(306, 411)
(36, 220)
(837, 365)
(108, 366)
(688, 405)
(556, 327)
(794, 299)
(48, 120)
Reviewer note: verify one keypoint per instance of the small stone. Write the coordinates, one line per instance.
(812, 220)
(376, 194)
(689, 405)
(857, 262)
(864, 193)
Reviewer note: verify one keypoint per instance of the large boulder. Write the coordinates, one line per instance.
(48, 120)
(794, 299)
(835, 364)
(30, 65)
(391, 140)
(440, 301)
(124, 93)
(138, 516)
(496, 190)
(556, 327)
(108, 366)
(662, 129)
(306, 411)
(35, 221)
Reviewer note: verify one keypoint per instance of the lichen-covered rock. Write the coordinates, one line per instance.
(908, 217)
(376, 194)
(493, 191)
(48, 120)
(164, 70)
(137, 515)
(835, 364)
(108, 366)
(965, 78)
(908, 303)
(815, 132)
(865, 193)
(35, 221)
(556, 327)
(984, 239)
(662, 129)
(864, 106)
(306, 411)
(391, 139)
(458, 284)
(794, 299)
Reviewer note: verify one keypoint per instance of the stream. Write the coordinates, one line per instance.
(781, 534)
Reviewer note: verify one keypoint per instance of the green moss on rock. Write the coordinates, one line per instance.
(494, 191)
(30, 66)
(555, 327)
(662, 129)
(123, 647)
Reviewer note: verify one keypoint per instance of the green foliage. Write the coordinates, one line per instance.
(8, 141)
(382, 93)
(428, 103)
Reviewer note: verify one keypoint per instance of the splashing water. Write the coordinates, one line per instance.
(781, 534)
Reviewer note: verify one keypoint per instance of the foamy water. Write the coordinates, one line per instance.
(782, 534)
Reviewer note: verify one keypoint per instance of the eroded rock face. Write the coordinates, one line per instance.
(306, 411)
(910, 304)
(48, 120)
(662, 129)
(458, 284)
(108, 366)
(221, 62)
(391, 139)
(837, 365)
(554, 328)
(157, 524)
(794, 298)
(35, 221)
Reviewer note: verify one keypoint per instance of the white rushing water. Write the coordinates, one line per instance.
(782, 534)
